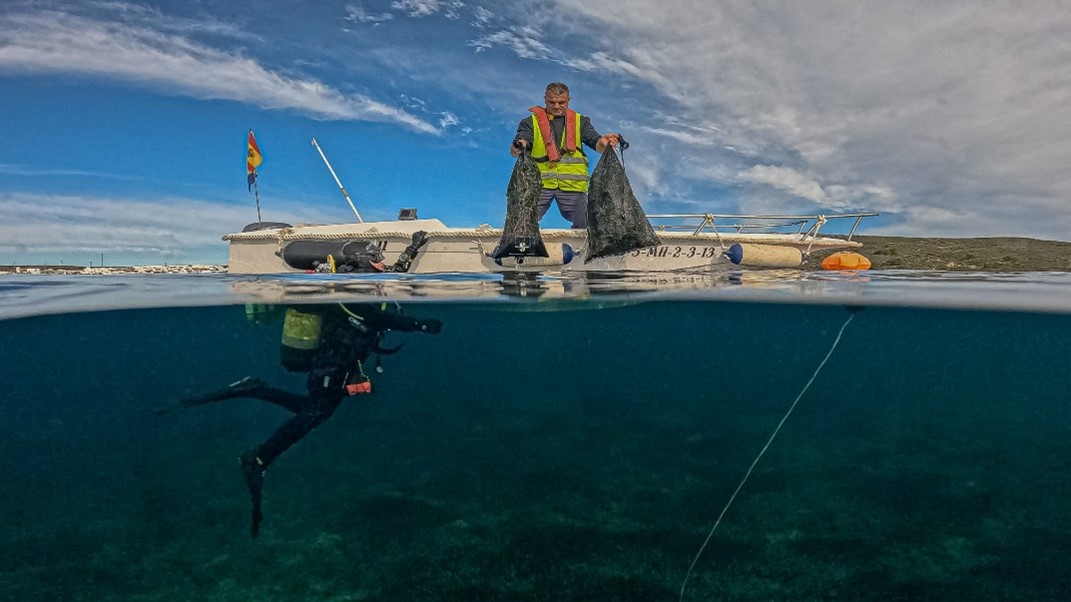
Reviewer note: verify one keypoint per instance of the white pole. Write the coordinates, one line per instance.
(337, 181)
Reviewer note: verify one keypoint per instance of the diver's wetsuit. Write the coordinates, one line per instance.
(348, 335)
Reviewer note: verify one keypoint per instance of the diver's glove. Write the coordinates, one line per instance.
(430, 326)
(420, 238)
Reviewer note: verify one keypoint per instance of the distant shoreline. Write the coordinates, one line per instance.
(77, 270)
(979, 254)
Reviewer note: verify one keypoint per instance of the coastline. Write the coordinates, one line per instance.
(978, 254)
(77, 270)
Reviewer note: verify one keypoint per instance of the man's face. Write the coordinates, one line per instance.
(556, 104)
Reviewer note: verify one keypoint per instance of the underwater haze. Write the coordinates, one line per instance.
(543, 447)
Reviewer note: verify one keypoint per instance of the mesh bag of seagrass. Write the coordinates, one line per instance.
(520, 235)
(616, 221)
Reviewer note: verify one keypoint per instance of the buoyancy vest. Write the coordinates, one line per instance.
(562, 165)
(301, 339)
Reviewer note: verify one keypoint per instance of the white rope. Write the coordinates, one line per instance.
(732, 498)
(290, 235)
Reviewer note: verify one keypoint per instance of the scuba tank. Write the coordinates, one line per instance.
(301, 339)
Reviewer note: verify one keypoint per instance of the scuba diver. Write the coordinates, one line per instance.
(356, 256)
(330, 343)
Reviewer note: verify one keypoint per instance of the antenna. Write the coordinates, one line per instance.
(337, 181)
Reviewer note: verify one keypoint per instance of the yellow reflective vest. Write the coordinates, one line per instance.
(570, 172)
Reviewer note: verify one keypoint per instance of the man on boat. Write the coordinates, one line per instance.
(555, 136)
(330, 343)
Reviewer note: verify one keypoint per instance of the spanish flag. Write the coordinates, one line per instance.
(253, 160)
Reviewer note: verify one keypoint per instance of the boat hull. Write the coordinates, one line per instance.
(466, 250)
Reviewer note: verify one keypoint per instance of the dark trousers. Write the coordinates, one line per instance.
(572, 205)
(309, 412)
(325, 393)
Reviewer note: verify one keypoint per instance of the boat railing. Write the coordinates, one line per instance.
(805, 226)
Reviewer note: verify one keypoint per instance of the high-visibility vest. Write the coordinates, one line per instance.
(570, 172)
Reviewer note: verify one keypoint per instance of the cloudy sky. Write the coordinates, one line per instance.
(123, 125)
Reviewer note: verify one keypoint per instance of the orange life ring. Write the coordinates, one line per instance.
(845, 260)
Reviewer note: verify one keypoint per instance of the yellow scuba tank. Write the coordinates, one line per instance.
(301, 338)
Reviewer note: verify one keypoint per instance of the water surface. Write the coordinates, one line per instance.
(561, 439)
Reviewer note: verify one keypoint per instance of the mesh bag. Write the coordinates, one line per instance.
(616, 221)
(520, 235)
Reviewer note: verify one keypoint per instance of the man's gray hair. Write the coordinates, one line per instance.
(556, 88)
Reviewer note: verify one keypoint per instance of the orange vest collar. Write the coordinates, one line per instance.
(548, 137)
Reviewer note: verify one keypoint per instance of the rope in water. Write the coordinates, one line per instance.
(755, 462)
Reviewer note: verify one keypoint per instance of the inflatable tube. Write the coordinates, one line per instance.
(557, 256)
(845, 260)
(764, 256)
(305, 254)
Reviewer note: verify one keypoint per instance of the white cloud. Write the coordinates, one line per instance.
(524, 41)
(687, 136)
(840, 197)
(413, 102)
(786, 179)
(53, 42)
(356, 12)
(925, 109)
(605, 63)
(35, 224)
(481, 17)
(426, 8)
(20, 170)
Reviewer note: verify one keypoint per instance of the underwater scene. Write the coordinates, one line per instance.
(596, 447)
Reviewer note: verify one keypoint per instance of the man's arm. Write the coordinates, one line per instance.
(592, 139)
(523, 138)
(588, 134)
(381, 318)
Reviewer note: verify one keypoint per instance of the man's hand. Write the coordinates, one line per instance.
(518, 147)
(611, 140)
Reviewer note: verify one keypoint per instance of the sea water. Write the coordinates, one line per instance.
(561, 439)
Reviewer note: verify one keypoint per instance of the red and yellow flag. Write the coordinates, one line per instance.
(253, 160)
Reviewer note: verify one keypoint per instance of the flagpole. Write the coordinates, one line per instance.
(256, 194)
(253, 159)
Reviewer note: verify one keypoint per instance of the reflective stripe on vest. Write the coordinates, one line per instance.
(570, 172)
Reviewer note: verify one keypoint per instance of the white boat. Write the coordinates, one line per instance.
(688, 241)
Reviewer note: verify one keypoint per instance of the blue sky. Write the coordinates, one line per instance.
(123, 125)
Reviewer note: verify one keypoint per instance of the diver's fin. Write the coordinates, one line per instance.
(253, 469)
(239, 388)
(254, 528)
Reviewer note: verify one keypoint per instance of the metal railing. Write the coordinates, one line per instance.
(806, 226)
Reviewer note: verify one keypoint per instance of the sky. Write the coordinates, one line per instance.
(123, 125)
